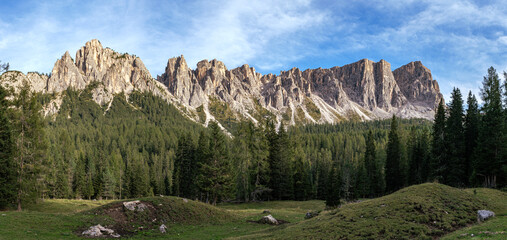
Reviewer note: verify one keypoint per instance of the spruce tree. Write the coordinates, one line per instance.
(370, 166)
(438, 148)
(455, 174)
(471, 132)
(393, 176)
(216, 177)
(30, 146)
(491, 145)
(302, 185)
(334, 187)
(7, 165)
(285, 162)
(185, 170)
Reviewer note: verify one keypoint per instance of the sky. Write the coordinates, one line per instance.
(457, 40)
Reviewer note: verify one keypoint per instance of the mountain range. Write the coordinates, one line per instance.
(364, 90)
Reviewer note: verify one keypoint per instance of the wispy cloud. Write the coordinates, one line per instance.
(458, 40)
(236, 32)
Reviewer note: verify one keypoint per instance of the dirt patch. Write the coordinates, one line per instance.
(126, 222)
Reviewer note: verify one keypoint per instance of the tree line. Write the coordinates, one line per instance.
(142, 146)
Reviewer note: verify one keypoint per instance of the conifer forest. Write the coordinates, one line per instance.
(142, 146)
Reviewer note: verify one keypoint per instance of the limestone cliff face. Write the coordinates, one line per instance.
(363, 90)
(113, 72)
(417, 84)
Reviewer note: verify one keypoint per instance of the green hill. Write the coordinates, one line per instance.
(165, 210)
(422, 211)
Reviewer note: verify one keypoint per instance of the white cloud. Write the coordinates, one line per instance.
(274, 33)
(503, 40)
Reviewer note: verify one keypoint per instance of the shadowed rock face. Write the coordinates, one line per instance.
(365, 89)
(362, 90)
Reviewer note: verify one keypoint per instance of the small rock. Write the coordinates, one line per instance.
(135, 205)
(99, 231)
(266, 212)
(162, 228)
(484, 214)
(269, 220)
(309, 215)
(185, 200)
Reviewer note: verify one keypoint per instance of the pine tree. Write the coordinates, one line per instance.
(302, 186)
(438, 148)
(455, 142)
(334, 187)
(393, 176)
(202, 156)
(471, 132)
(7, 165)
(185, 168)
(491, 145)
(284, 165)
(324, 163)
(30, 146)
(370, 165)
(216, 177)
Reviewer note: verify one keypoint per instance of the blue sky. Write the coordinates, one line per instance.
(457, 40)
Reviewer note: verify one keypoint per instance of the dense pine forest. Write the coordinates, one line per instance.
(142, 146)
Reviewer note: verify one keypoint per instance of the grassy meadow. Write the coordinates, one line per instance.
(425, 211)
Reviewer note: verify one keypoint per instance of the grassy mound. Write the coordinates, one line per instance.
(160, 210)
(423, 211)
(490, 229)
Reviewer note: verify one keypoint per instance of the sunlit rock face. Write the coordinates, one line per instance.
(363, 90)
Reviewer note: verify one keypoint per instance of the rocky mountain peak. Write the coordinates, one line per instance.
(362, 90)
(417, 84)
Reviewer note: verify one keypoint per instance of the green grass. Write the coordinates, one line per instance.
(423, 211)
(496, 228)
(201, 114)
(312, 109)
(64, 219)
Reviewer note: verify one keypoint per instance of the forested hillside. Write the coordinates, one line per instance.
(142, 146)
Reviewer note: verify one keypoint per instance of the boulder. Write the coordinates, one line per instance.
(99, 231)
(484, 214)
(162, 228)
(135, 206)
(309, 215)
(269, 220)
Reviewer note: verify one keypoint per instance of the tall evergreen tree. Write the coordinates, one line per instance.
(471, 132)
(393, 176)
(455, 174)
(491, 145)
(185, 171)
(216, 176)
(334, 187)
(7, 165)
(280, 161)
(284, 162)
(438, 148)
(30, 146)
(302, 185)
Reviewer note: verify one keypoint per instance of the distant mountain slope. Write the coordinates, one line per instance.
(364, 90)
